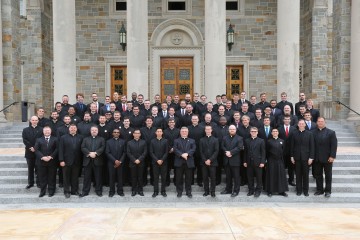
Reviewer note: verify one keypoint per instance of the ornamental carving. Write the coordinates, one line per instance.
(177, 38)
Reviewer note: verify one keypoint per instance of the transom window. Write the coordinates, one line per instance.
(176, 5)
(120, 5)
(232, 5)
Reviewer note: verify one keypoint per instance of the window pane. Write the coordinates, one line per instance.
(184, 89)
(232, 5)
(177, 6)
(120, 6)
(119, 75)
(184, 74)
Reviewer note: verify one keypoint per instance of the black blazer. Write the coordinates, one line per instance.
(184, 146)
(209, 149)
(29, 136)
(255, 151)
(234, 145)
(171, 135)
(312, 127)
(325, 144)
(70, 149)
(99, 148)
(80, 109)
(159, 150)
(302, 145)
(136, 150)
(262, 134)
(46, 149)
(115, 150)
(287, 140)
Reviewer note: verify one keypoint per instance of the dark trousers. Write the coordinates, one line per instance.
(198, 168)
(32, 171)
(170, 165)
(60, 173)
(89, 171)
(115, 175)
(220, 166)
(137, 181)
(319, 168)
(232, 172)
(147, 168)
(302, 176)
(160, 170)
(243, 170)
(209, 172)
(47, 178)
(180, 172)
(71, 178)
(290, 166)
(126, 172)
(105, 173)
(257, 172)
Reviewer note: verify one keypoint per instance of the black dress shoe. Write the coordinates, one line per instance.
(283, 194)
(83, 195)
(51, 194)
(179, 194)
(269, 194)
(155, 194)
(306, 194)
(250, 194)
(218, 183)
(29, 186)
(298, 194)
(234, 194)
(213, 194)
(164, 194)
(189, 195)
(327, 195)
(67, 195)
(42, 194)
(317, 193)
(111, 194)
(257, 194)
(61, 185)
(206, 194)
(75, 193)
(141, 194)
(225, 192)
(121, 194)
(200, 184)
(292, 184)
(133, 194)
(99, 194)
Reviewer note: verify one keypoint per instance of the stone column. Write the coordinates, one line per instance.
(215, 48)
(2, 115)
(64, 27)
(137, 47)
(355, 60)
(288, 40)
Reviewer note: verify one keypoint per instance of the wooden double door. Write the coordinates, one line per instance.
(234, 80)
(119, 80)
(176, 76)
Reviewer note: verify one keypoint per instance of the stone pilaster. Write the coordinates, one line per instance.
(137, 47)
(215, 48)
(355, 60)
(288, 41)
(64, 49)
(2, 116)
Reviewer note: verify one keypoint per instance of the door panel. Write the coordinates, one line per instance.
(234, 80)
(119, 80)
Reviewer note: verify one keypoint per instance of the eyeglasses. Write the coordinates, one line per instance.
(116, 132)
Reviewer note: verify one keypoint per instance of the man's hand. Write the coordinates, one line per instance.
(331, 159)
(228, 153)
(310, 161)
(245, 164)
(185, 156)
(117, 163)
(171, 150)
(262, 165)
(160, 162)
(208, 162)
(137, 161)
(292, 160)
(62, 164)
(92, 154)
(32, 149)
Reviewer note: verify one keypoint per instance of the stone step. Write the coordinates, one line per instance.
(12, 145)
(348, 144)
(11, 135)
(171, 198)
(11, 140)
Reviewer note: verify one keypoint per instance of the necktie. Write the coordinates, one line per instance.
(287, 131)
(164, 114)
(124, 109)
(81, 107)
(267, 131)
(183, 112)
(47, 141)
(309, 125)
(274, 111)
(108, 107)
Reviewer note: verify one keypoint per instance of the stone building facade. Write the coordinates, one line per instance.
(37, 41)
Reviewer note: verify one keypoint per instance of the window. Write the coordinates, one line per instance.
(22, 4)
(176, 6)
(120, 5)
(232, 5)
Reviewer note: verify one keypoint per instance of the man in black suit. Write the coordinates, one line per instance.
(54, 123)
(310, 125)
(255, 156)
(263, 103)
(231, 146)
(171, 133)
(80, 107)
(171, 115)
(40, 113)
(46, 149)
(302, 110)
(285, 133)
(243, 99)
(209, 150)
(184, 149)
(325, 154)
(136, 151)
(74, 118)
(158, 120)
(84, 126)
(147, 134)
(95, 101)
(265, 131)
(94, 114)
(302, 101)
(287, 112)
(136, 119)
(284, 102)
(275, 112)
(93, 148)
(29, 136)
(126, 133)
(245, 111)
(314, 112)
(106, 107)
(302, 155)
(220, 132)
(159, 153)
(70, 157)
(115, 153)
(236, 104)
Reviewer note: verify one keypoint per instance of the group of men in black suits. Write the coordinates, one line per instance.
(121, 141)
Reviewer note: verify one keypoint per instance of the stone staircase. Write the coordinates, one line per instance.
(13, 179)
